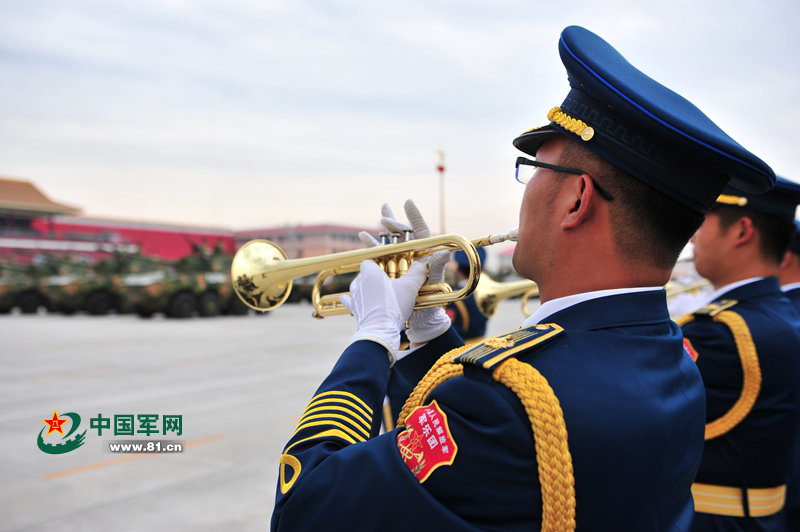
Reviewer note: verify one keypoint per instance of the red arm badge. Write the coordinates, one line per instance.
(426, 442)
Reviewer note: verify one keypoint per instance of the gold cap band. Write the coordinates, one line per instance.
(570, 124)
(732, 200)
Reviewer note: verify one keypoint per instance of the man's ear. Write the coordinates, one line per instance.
(787, 260)
(744, 231)
(580, 197)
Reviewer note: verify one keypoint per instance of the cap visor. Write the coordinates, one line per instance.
(529, 142)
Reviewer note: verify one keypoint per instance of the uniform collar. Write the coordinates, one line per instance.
(790, 286)
(748, 289)
(589, 311)
(732, 286)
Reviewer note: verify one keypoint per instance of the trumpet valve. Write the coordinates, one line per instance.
(383, 240)
(402, 265)
(435, 288)
(392, 269)
(404, 260)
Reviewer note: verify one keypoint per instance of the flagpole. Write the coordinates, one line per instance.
(441, 192)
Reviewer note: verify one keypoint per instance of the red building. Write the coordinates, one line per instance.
(31, 224)
(164, 241)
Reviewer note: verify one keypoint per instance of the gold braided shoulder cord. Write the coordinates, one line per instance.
(751, 385)
(547, 421)
(550, 434)
(441, 371)
(683, 320)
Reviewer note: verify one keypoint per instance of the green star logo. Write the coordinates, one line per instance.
(54, 424)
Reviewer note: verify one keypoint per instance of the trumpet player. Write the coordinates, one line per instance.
(591, 415)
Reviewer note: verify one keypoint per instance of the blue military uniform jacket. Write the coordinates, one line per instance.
(761, 450)
(632, 400)
(468, 320)
(793, 490)
(794, 297)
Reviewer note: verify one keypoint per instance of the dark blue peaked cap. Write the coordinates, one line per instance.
(781, 201)
(461, 258)
(644, 128)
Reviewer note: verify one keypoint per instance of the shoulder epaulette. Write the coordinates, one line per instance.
(713, 309)
(495, 350)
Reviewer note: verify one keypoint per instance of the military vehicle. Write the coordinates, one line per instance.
(73, 287)
(199, 283)
(128, 282)
(79, 286)
(19, 288)
(7, 297)
(149, 292)
(212, 276)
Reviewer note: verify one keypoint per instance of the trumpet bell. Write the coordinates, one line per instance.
(258, 290)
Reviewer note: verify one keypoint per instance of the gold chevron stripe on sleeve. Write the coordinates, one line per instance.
(306, 422)
(330, 408)
(345, 394)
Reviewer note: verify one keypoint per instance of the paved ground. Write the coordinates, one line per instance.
(239, 384)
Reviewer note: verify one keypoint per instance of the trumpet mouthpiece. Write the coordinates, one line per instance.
(503, 237)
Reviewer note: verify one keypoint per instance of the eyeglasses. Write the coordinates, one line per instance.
(527, 167)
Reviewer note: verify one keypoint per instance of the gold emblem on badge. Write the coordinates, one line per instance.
(499, 343)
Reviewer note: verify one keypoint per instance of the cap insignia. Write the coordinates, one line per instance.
(572, 125)
(732, 200)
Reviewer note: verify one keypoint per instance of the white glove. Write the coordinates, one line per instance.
(393, 225)
(425, 324)
(382, 305)
(418, 226)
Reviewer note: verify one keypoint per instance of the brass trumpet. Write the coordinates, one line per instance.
(489, 293)
(533, 292)
(262, 274)
(674, 287)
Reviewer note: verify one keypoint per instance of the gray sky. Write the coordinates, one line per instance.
(250, 113)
